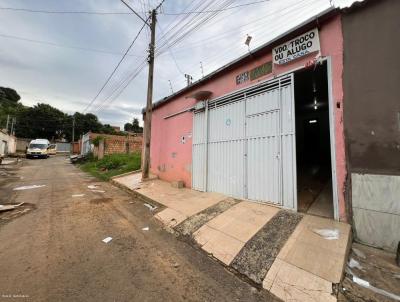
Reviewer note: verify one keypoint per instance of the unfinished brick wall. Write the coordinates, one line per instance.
(114, 144)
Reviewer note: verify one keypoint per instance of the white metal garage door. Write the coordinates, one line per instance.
(243, 144)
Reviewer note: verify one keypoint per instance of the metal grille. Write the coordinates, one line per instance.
(243, 144)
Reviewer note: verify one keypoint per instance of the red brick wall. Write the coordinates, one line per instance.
(114, 144)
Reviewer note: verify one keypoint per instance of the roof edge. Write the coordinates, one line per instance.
(269, 43)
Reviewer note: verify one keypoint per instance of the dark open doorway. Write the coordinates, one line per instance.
(313, 150)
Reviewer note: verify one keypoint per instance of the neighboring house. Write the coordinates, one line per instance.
(7, 143)
(309, 121)
(112, 143)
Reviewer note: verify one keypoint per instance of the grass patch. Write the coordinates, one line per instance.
(112, 165)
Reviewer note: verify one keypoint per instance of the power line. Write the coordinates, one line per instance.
(216, 10)
(194, 23)
(62, 46)
(27, 10)
(116, 67)
(171, 53)
(280, 16)
(139, 16)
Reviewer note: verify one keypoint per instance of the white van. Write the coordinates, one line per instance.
(38, 148)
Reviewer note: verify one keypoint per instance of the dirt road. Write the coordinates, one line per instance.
(54, 250)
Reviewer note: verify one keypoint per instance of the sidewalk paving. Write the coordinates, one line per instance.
(286, 253)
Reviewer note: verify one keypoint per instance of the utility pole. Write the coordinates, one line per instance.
(149, 109)
(12, 126)
(189, 79)
(8, 119)
(73, 129)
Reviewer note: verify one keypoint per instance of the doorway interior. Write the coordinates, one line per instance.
(313, 148)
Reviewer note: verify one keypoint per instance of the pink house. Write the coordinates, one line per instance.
(270, 126)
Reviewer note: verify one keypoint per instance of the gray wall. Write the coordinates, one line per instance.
(372, 119)
(372, 87)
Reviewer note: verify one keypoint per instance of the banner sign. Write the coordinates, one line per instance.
(254, 73)
(260, 71)
(298, 47)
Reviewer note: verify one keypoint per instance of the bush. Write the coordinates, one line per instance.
(96, 140)
(112, 165)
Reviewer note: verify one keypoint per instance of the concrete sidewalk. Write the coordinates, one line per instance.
(294, 256)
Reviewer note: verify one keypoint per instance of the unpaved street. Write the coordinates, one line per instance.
(54, 251)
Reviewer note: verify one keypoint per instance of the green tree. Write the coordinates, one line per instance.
(107, 129)
(128, 127)
(9, 105)
(83, 124)
(134, 127)
(41, 121)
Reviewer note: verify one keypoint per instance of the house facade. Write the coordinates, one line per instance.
(276, 125)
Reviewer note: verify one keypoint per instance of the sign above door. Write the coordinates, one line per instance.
(296, 48)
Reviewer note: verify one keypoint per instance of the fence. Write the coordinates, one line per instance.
(63, 147)
(112, 144)
(86, 146)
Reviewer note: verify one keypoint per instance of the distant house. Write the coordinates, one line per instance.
(8, 143)
(116, 128)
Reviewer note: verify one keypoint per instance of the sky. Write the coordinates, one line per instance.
(65, 59)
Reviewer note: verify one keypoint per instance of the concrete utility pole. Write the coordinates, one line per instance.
(12, 125)
(73, 129)
(8, 120)
(149, 109)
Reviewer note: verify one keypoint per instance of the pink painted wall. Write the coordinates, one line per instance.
(171, 158)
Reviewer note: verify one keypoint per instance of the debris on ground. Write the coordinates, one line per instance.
(354, 263)
(370, 276)
(20, 209)
(78, 195)
(328, 234)
(8, 161)
(98, 191)
(176, 265)
(150, 206)
(9, 207)
(107, 239)
(358, 253)
(28, 187)
(382, 292)
(92, 187)
(145, 229)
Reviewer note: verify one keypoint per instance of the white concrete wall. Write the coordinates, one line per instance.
(376, 209)
(8, 143)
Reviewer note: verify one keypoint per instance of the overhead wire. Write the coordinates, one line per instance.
(123, 84)
(215, 10)
(126, 82)
(62, 46)
(28, 10)
(116, 67)
(280, 16)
